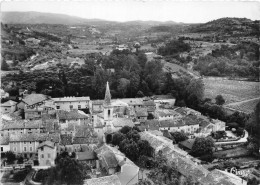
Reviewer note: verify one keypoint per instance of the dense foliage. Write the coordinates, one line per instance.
(129, 142)
(174, 47)
(202, 146)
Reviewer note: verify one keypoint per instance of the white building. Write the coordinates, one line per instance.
(69, 103)
(8, 107)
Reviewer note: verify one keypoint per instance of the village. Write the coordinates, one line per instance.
(85, 129)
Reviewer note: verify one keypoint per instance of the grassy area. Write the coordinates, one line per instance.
(231, 90)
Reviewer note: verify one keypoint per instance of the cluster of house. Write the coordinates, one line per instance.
(81, 126)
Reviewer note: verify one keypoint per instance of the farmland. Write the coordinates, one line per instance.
(231, 90)
(245, 106)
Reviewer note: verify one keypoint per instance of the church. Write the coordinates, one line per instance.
(107, 122)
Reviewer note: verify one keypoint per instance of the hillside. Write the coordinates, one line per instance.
(44, 18)
(226, 25)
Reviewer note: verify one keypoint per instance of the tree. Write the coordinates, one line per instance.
(202, 146)
(4, 65)
(10, 157)
(179, 136)
(150, 116)
(145, 148)
(219, 100)
(133, 135)
(117, 138)
(67, 171)
(125, 129)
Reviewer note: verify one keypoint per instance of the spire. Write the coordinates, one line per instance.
(107, 96)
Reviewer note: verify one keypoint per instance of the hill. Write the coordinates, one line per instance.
(225, 25)
(45, 18)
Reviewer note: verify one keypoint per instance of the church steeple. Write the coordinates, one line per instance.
(107, 101)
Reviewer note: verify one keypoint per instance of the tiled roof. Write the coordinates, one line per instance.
(119, 103)
(141, 112)
(97, 102)
(65, 139)
(149, 103)
(109, 160)
(32, 99)
(107, 180)
(187, 143)
(87, 155)
(120, 122)
(4, 140)
(21, 124)
(34, 137)
(65, 99)
(69, 115)
(9, 103)
(46, 143)
(85, 140)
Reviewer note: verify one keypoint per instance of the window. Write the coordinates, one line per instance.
(30, 142)
(24, 142)
(30, 149)
(79, 106)
(15, 149)
(42, 155)
(41, 148)
(49, 155)
(6, 109)
(2, 149)
(39, 113)
(71, 106)
(108, 112)
(57, 107)
(24, 149)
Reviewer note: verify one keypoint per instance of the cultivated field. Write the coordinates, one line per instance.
(244, 106)
(231, 90)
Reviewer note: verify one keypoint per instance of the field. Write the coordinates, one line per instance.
(231, 90)
(244, 106)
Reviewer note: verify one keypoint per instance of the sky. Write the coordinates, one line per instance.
(128, 10)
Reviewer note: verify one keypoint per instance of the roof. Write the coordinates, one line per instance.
(149, 103)
(65, 139)
(187, 143)
(71, 98)
(21, 124)
(119, 103)
(107, 180)
(46, 143)
(107, 100)
(88, 154)
(109, 159)
(32, 99)
(97, 102)
(121, 122)
(84, 140)
(9, 103)
(4, 140)
(71, 115)
(35, 137)
(141, 112)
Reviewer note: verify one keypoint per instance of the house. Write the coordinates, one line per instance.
(87, 156)
(167, 114)
(106, 180)
(218, 125)
(8, 107)
(34, 105)
(150, 105)
(4, 142)
(149, 125)
(15, 127)
(47, 152)
(75, 117)
(117, 124)
(27, 144)
(112, 161)
(141, 114)
(69, 103)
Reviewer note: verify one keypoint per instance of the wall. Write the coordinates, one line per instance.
(47, 160)
(65, 105)
(18, 147)
(8, 109)
(5, 148)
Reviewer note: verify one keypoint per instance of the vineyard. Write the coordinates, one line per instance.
(231, 90)
(244, 106)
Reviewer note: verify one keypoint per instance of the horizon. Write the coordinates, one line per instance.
(176, 11)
